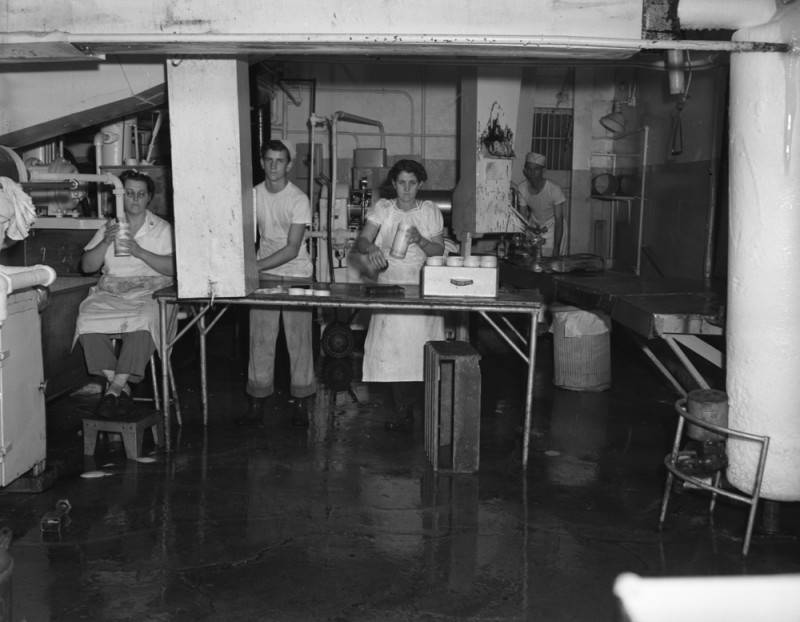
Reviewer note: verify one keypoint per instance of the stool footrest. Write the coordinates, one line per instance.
(130, 429)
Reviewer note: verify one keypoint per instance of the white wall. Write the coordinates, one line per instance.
(33, 94)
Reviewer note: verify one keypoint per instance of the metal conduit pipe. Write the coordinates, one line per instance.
(401, 92)
(338, 117)
(104, 178)
(496, 46)
(313, 121)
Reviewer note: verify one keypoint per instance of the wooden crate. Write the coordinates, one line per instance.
(452, 406)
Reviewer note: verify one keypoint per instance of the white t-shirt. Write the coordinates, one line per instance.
(275, 214)
(541, 205)
(155, 235)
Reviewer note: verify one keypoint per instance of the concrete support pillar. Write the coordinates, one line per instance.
(212, 177)
(489, 101)
(763, 306)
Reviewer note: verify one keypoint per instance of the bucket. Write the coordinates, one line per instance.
(581, 350)
(710, 406)
(111, 151)
(605, 184)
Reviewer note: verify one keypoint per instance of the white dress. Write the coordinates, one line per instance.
(393, 351)
(122, 301)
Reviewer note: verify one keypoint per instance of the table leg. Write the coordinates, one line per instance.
(529, 388)
(164, 354)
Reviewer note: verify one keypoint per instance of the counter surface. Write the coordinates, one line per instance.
(353, 295)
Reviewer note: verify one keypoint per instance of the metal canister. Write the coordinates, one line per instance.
(400, 242)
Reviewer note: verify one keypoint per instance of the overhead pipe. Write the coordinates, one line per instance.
(484, 46)
(340, 115)
(385, 93)
(336, 118)
(103, 178)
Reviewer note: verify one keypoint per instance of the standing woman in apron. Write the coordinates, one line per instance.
(393, 351)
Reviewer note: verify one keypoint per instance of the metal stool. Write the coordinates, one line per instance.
(676, 461)
(452, 406)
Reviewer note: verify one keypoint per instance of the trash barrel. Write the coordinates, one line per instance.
(581, 349)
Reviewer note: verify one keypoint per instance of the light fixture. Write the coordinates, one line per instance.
(675, 69)
(614, 122)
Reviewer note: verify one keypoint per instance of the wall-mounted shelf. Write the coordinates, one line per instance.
(614, 197)
(67, 222)
(610, 165)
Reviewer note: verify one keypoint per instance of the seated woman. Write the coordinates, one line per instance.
(393, 351)
(121, 305)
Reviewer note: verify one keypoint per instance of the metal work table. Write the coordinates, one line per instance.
(351, 296)
(679, 311)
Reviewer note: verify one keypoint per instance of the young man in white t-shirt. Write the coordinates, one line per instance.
(544, 203)
(283, 214)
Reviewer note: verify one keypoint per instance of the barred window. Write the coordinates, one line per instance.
(552, 136)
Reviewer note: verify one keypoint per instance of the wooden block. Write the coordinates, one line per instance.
(452, 406)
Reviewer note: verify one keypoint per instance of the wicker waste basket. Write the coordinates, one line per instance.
(581, 349)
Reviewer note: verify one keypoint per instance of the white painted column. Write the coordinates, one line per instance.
(763, 305)
(489, 96)
(212, 177)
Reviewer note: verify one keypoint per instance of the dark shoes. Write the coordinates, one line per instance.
(404, 422)
(107, 407)
(299, 408)
(124, 404)
(254, 414)
(111, 406)
(261, 410)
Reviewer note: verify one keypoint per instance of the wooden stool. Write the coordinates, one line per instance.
(131, 430)
(452, 406)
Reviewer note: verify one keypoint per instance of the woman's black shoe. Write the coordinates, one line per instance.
(299, 408)
(107, 407)
(403, 423)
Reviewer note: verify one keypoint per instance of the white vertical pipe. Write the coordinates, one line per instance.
(727, 14)
(763, 331)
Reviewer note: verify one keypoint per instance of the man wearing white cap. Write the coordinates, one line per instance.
(283, 214)
(544, 201)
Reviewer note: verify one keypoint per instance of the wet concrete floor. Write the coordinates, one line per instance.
(345, 521)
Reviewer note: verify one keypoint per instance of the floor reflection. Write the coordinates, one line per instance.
(346, 521)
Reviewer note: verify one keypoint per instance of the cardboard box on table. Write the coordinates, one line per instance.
(459, 281)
